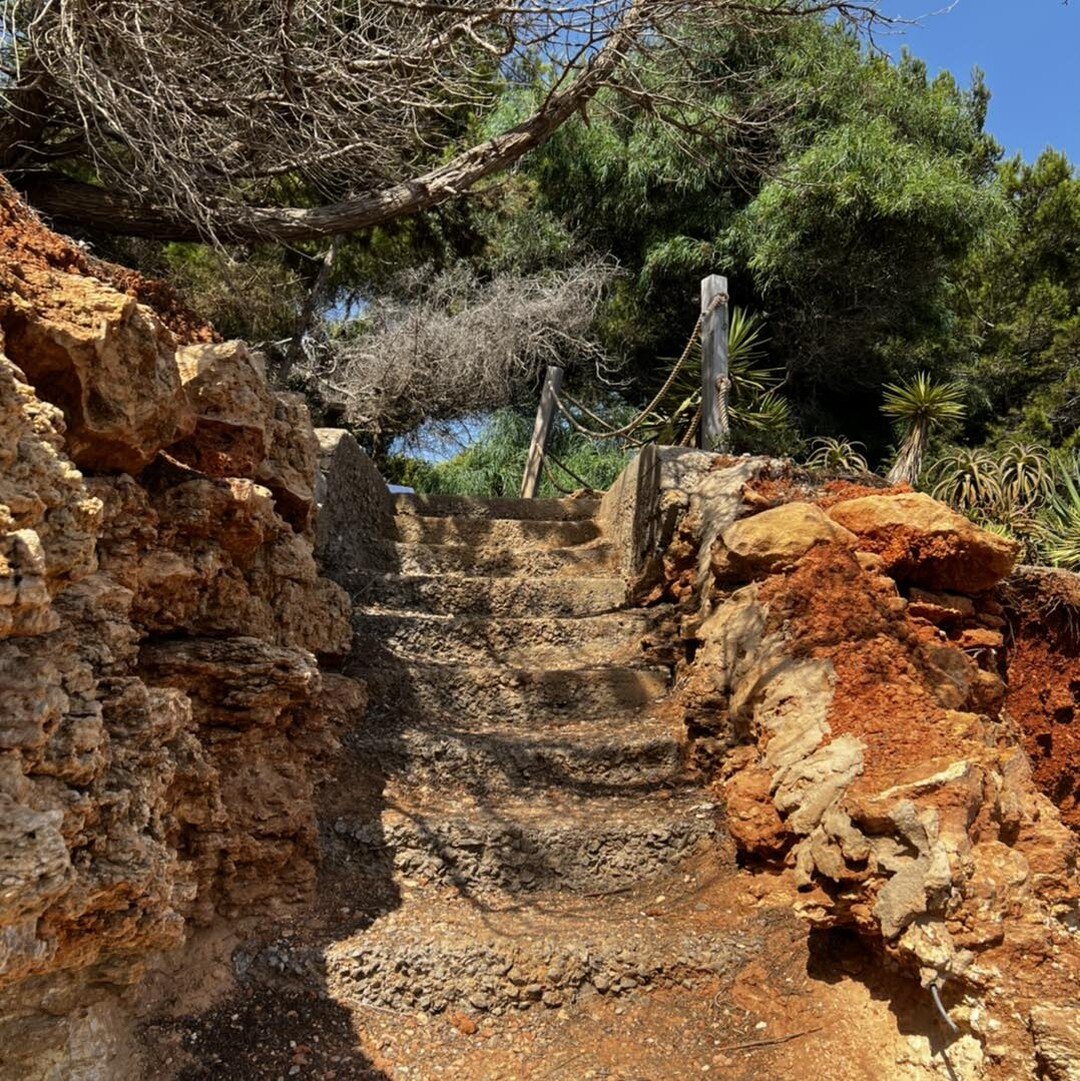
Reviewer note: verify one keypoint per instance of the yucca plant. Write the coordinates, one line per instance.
(918, 407)
(837, 456)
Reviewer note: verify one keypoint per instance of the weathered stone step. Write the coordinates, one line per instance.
(461, 696)
(521, 597)
(445, 955)
(587, 561)
(494, 532)
(547, 642)
(460, 506)
(544, 842)
(620, 755)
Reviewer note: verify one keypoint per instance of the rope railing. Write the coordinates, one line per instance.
(712, 412)
(624, 432)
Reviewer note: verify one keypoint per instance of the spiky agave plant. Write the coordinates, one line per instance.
(837, 456)
(969, 479)
(1027, 474)
(918, 407)
(1062, 518)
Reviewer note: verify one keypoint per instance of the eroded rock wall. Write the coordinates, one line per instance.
(846, 688)
(1042, 608)
(164, 720)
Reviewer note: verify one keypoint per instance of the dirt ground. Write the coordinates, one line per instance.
(797, 1004)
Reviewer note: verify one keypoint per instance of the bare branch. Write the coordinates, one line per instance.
(193, 115)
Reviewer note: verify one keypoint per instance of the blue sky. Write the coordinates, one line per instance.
(1028, 50)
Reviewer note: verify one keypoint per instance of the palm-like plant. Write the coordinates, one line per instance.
(837, 456)
(919, 406)
(754, 401)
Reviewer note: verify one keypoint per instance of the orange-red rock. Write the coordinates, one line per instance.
(923, 542)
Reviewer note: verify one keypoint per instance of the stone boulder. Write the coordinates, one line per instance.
(756, 546)
(225, 384)
(922, 542)
(292, 461)
(356, 510)
(106, 361)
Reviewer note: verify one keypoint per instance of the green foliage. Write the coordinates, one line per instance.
(1062, 521)
(761, 416)
(494, 464)
(1022, 491)
(969, 479)
(922, 401)
(843, 218)
(1019, 309)
(1017, 478)
(1027, 475)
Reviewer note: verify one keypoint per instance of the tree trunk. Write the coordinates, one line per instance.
(908, 464)
(309, 310)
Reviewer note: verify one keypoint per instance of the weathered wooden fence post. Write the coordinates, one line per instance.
(715, 381)
(541, 432)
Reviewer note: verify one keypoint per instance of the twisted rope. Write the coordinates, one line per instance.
(568, 471)
(688, 438)
(628, 429)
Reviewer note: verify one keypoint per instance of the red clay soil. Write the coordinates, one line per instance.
(832, 609)
(26, 245)
(772, 491)
(1044, 684)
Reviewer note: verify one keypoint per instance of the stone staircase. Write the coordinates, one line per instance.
(532, 793)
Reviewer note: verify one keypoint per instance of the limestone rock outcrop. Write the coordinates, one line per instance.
(165, 719)
(106, 361)
(225, 384)
(856, 723)
(774, 539)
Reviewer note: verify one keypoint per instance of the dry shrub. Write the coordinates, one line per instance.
(454, 345)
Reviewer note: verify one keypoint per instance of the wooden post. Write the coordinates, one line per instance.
(715, 427)
(541, 432)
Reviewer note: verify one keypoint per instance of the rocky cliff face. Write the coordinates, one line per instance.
(1043, 610)
(848, 691)
(165, 720)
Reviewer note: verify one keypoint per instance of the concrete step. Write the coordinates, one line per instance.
(461, 696)
(448, 956)
(547, 642)
(616, 756)
(547, 841)
(587, 561)
(502, 597)
(494, 532)
(461, 506)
